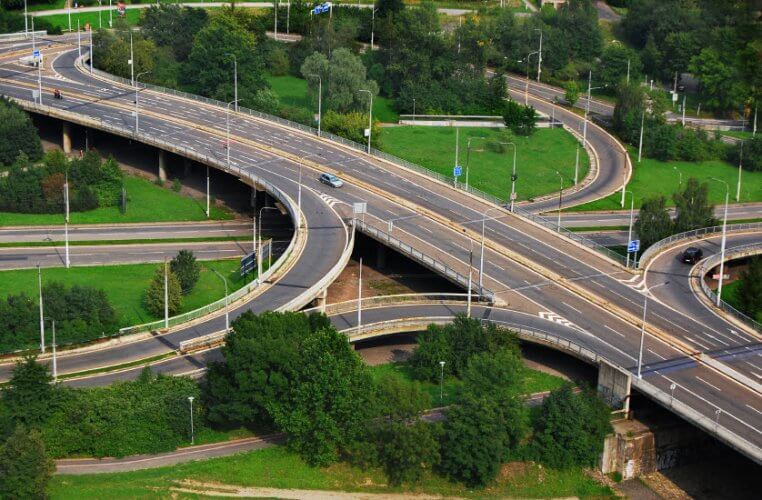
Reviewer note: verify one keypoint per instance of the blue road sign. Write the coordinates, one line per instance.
(457, 171)
(36, 54)
(634, 246)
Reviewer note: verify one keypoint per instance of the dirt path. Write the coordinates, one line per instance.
(224, 490)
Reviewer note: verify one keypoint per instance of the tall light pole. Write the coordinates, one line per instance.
(468, 154)
(42, 316)
(235, 80)
(370, 115)
(560, 199)
(470, 275)
(275, 5)
(722, 246)
(227, 132)
(629, 231)
(539, 57)
(26, 21)
(137, 99)
(441, 380)
(53, 346)
(190, 400)
(166, 294)
(481, 253)
(79, 40)
(740, 167)
(372, 26)
(39, 77)
(359, 297)
(320, 100)
(526, 85)
(643, 325)
(67, 262)
(131, 62)
(259, 244)
(92, 50)
(640, 140)
(208, 196)
(227, 314)
(110, 15)
(514, 177)
(68, 12)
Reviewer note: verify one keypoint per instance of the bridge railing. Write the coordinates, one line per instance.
(544, 221)
(190, 153)
(428, 261)
(713, 261)
(660, 245)
(382, 300)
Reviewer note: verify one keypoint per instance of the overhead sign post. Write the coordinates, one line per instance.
(359, 208)
(248, 263)
(456, 172)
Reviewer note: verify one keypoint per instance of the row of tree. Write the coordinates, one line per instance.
(39, 188)
(81, 313)
(298, 374)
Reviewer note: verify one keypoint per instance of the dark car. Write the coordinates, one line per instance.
(691, 255)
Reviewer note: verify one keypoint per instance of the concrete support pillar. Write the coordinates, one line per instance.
(320, 299)
(614, 387)
(186, 167)
(66, 139)
(381, 256)
(162, 165)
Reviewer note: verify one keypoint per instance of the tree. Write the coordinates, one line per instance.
(187, 269)
(749, 293)
(478, 435)
(173, 26)
(350, 126)
(25, 468)
(29, 395)
(343, 76)
(17, 134)
(572, 92)
(386, 7)
(408, 450)
(617, 62)
(570, 428)
(693, 208)
(327, 404)
(719, 82)
(494, 374)
(653, 223)
(209, 68)
(154, 300)
(520, 119)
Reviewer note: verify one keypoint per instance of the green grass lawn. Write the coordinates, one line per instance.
(535, 381)
(730, 292)
(125, 285)
(738, 134)
(653, 177)
(275, 467)
(292, 91)
(132, 16)
(538, 157)
(144, 196)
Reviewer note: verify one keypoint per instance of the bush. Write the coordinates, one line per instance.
(176, 185)
(154, 300)
(25, 468)
(350, 126)
(520, 119)
(17, 134)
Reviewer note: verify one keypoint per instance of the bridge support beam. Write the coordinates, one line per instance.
(380, 256)
(186, 167)
(162, 165)
(66, 137)
(614, 387)
(320, 299)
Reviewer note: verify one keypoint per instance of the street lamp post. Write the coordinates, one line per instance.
(359, 298)
(441, 380)
(629, 231)
(526, 85)
(227, 131)
(468, 155)
(235, 80)
(560, 198)
(372, 27)
(26, 21)
(227, 314)
(259, 244)
(722, 246)
(42, 316)
(137, 106)
(640, 140)
(166, 294)
(67, 261)
(513, 174)
(539, 57)
(320, 100)
(481, 253)
(190, 400)
(370, 115)
(643, 326)
(470, 275)
(740, 166)
(131, 62)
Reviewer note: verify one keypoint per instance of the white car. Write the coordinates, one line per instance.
(331, 180)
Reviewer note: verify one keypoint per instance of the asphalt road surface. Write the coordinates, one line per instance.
(527, 267)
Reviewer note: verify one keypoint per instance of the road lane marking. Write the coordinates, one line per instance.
(710, 385)
(611, 329)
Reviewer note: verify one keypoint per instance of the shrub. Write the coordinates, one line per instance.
(176, 185)
(154, 300)
(187, 269)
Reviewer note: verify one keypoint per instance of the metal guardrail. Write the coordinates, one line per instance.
(362, 148)
(195, 155)
(13, 37)
(657, 247)
(424, 259)
(382, 300)
(713, 261)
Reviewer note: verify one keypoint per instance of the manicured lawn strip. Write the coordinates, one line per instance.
(594, 229)
(738, 134)
(125, 285)
(292, 91)
(132, 16)
(536, 381)
(144, 198)
(275, 467)
(653, 177)
(538, 157)
(730, 294)
(27, 244)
